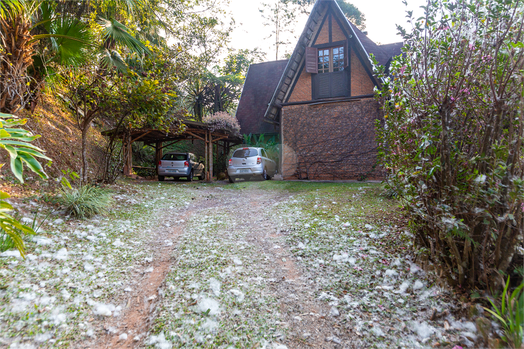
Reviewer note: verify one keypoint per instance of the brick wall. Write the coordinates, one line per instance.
(330, 141)
(336, 32)
(323, 36)
(361, 84)
(302, 90)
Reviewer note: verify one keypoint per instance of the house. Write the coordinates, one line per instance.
(261, 81)
(323, 103)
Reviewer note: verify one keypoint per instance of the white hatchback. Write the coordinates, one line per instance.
(250, 163)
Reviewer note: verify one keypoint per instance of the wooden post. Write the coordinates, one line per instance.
(210, 157)
(158, 154)
(206, 151)
(128, 153)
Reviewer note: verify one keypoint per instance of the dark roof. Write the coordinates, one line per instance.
(392, 50)
(260, 84)
(382, 53)
(192, 130)
(363, 45)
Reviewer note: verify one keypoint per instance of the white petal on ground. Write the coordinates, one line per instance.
(422, 329)
(61, 254)
(103, 309)
(118, 243)
(14, 253)
(214, 284)
(417, 285)
(239, 294)
(160, 341)
(206, 304)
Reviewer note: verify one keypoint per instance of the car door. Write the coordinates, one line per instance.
(197, 167)
(270, 163)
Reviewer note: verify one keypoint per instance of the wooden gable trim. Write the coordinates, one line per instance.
(357, 51)
(320, 27)
(330, 44)
(330, 25)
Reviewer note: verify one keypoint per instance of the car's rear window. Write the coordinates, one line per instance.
(175, 157)
(245, 153)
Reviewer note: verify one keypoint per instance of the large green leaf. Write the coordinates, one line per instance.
(72, 42)
(111, 58)
(116, 33)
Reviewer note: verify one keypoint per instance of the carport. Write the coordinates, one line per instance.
(160, 139)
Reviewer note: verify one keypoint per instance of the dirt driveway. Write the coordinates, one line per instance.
(258, 264)
(246, 260)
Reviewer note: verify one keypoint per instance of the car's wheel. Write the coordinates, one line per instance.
(231, 179)
(190, 177)
(265, 177)
(161, 178)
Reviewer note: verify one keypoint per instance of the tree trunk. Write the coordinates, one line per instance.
(15, 58)
(85, 130)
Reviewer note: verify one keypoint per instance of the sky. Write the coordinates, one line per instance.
(381, 19)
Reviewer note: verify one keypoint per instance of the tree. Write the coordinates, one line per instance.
(43, 35)
(351, 12)
(453, 135)
(281, 16)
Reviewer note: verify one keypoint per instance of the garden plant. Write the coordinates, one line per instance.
(452, 136)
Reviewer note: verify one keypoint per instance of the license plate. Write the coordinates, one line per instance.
(245, 170)
(171, 171)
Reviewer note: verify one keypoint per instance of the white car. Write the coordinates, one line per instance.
(178, 165)
(251, 163)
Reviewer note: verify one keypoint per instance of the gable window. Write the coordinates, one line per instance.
(327, 64)
(331, 59)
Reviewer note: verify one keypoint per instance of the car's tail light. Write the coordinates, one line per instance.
(186, 164)
(230, 162)
(259, 160)
(160, 163)
(245, 148)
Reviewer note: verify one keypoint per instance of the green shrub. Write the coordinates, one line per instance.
(17, 142)
(86, 201)
(452, 138)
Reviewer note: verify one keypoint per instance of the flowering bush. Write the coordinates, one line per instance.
(452, 135)
(222, 121)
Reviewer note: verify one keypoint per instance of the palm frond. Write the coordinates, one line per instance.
(10, 7)
(117, 33)
(111, 58)
(74, 39)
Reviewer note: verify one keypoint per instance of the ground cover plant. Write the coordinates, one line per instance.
(77, 273)
(452, 137)
(354, 246)
(267, 264)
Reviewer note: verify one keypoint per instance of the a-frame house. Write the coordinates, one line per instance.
(323, 103)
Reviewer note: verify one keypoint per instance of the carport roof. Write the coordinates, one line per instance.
(194, 130)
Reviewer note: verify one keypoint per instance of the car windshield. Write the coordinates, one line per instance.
(175, 157)
(245, 153)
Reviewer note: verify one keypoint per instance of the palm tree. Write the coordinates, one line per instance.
(37, 33)
(22, 35)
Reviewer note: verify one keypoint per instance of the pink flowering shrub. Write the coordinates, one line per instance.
(452, 138)
(222, 121)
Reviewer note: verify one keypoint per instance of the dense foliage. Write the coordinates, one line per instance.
(452, 137)
(17, 143)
